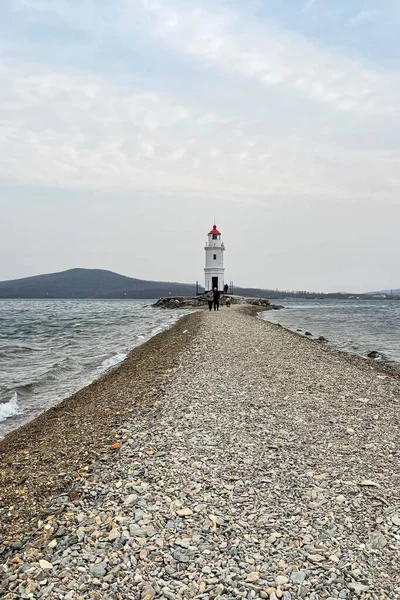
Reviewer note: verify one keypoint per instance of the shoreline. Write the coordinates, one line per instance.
(391, 369)
(393, 365)
(29, 395)
(70, 435)
(238, 439)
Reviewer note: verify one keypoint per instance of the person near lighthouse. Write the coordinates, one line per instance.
(210, 299)
(217, 296)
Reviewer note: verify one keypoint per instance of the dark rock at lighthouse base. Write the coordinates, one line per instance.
(201, 300)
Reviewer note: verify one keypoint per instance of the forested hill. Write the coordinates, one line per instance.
(98, 283)
(90, 283)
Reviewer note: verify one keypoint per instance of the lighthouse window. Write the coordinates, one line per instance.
(215, 236)
(214, 256)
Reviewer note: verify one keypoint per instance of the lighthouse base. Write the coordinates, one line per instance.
(214, 278)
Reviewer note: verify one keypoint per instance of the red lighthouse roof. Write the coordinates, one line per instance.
(214, 230)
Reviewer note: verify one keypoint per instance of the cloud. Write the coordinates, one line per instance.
(74, 131)
(364, 17)
(309, 4)
(272, 57)
(282, 118)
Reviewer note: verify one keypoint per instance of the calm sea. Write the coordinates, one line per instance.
(50, 349)
(356, 326)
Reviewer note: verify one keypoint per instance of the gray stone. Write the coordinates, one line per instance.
(98, 570)
(376, 541)
(130, 500)
(182, 557)
(298, 577)
(358, 588)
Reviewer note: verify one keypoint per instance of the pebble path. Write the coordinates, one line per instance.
(269, 468)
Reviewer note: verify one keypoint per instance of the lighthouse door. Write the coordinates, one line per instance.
(215, 282)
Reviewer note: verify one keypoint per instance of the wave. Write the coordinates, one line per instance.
(10, 408)
(112, 361)
(19, 349)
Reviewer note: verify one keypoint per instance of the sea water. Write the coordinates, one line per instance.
(356, 326)
(51, 349)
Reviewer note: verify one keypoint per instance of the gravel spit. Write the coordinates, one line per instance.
(266, 467)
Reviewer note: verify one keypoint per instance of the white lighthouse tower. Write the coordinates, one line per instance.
(214, 270)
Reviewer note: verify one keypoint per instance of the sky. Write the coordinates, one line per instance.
(127, 127)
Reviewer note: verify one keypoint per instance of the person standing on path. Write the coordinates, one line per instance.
(216, 299)
(226, 288)
(210, 299)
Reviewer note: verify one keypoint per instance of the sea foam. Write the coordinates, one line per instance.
(10, 408)
(112, 361)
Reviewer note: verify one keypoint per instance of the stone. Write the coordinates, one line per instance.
(114, 535)
(396, 520)
(376, 541)
(45, 565)
(148, 593)
(182, 557)
(183, 542)
(281, 580)
(358, 588)
(253, 576)
(136, 530)
(130, 500)
(315, 558)
(298, 577)
(30, 587)
(369, 483)
(98, 570)
(184, 512)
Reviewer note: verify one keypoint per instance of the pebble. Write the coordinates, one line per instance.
(238, 481)
(298, 577)
(253, 576)
(130, 500)
(98, 570)
(376, 540)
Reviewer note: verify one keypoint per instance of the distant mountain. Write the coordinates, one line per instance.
(98, 283)
(389, 292)
(90, 283)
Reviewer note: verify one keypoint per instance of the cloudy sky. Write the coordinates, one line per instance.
(126, 126)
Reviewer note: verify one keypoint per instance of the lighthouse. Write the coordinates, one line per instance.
(214, 270)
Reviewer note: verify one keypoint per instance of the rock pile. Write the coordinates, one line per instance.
(198, 301)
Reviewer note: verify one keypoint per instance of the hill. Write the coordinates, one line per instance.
(99, 283)
(90, 283)
(388, 292)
